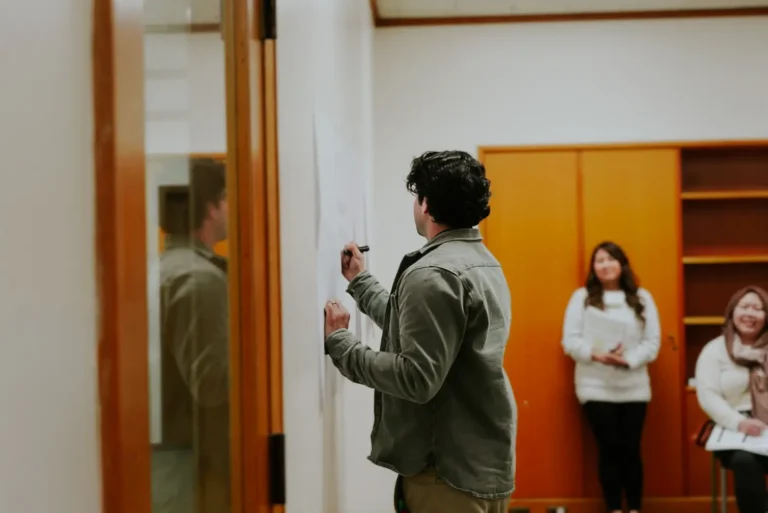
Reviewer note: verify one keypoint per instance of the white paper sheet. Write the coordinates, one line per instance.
(340, 218)
(723, 439)
(603, 331)
(341, 208)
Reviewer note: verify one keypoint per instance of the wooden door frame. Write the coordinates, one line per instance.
(118, 102)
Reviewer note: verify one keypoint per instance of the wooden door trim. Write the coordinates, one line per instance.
(118, 96)
(239, 228)
(252, 144)
(734, 143)
(273, 233)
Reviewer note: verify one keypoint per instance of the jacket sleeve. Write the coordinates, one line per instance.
(432, 317)
(370, 296)
(647, 350)
(200, 342)
(573, 342)
(709, 391)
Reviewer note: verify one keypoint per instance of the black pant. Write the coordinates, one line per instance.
(618, 428)
(749, 479)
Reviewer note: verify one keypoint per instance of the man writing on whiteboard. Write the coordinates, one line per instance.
(445, 417)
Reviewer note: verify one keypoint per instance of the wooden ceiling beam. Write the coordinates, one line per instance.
(375, 17)
(182, 28)
(577, 16)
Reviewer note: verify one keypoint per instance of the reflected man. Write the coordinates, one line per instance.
(192, 467)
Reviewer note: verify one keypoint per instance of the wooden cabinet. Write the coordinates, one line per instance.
(631, 197)
(533, 230)
(693, 219)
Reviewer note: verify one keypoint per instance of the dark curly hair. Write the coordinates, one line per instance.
(627, 281)
(454, 185)
(207, 184)
(184, 208)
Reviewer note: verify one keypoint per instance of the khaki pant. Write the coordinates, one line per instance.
(427, 493)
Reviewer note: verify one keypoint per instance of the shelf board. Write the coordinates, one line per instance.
(724, 195)
(711, 320)
(741, 258)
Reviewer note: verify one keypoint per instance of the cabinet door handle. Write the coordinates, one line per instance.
(673, 341)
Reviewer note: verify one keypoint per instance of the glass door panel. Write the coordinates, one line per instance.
(190, 347)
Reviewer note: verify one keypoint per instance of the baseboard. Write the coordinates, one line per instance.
(650, 505)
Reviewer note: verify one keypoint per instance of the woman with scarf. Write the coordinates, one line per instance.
(731, 388)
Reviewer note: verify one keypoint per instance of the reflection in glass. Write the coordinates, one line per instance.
(187, 217)
(190, 470)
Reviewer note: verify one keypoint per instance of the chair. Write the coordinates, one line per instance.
(723, 499)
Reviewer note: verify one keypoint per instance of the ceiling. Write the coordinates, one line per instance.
(441, 9)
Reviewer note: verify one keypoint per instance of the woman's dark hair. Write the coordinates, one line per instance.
(627, 280)
(454, 185)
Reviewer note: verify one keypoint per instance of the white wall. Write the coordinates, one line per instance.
(49, 448)
(461, 87)
(324, 61)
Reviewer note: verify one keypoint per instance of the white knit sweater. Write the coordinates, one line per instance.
(599, 382)
(722, 387)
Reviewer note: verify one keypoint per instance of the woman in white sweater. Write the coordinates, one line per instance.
(613, 386)
(732, 388)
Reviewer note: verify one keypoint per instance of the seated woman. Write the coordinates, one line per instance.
(731, 388)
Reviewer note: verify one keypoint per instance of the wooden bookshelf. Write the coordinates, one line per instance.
(703, 320)
(743, 258)
(724, 193)
(724, 206)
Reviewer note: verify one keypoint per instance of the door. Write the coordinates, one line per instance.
(533, 231)
(189, 353)
(632, 197)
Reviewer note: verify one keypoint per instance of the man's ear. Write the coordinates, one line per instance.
(424, 206)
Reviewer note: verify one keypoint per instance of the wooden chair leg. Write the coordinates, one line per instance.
(713, 485)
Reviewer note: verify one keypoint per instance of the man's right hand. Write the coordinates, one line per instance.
(354, 264)
(752, 427)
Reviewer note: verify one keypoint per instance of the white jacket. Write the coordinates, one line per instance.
(599, 382)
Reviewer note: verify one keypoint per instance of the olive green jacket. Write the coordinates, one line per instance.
(442, 398)
(195, 365)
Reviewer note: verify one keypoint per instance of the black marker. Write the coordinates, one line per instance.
(361, 249)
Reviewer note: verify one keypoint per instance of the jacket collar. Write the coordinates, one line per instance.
(178, 241)
(450, 235)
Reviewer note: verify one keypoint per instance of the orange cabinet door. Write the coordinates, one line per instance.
(632, 197)
(532, 230)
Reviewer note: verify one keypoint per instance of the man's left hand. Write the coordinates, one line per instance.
(336, 317)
